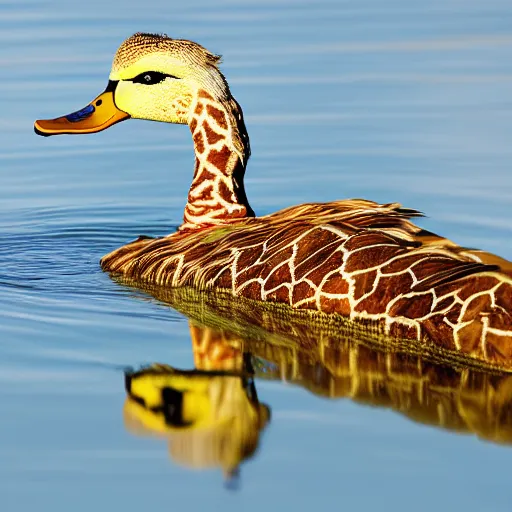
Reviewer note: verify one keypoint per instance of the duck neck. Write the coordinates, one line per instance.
(217, 194)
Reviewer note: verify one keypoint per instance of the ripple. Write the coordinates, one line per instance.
(57, 250)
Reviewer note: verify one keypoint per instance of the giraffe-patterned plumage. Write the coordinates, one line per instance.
(365, 262)
(362, 260)
(215, 192)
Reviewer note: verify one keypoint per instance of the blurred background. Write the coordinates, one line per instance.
(398, 101)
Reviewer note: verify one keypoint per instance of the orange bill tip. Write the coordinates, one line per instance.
(99, 115)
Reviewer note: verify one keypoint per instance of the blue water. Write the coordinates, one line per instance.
(403, 100)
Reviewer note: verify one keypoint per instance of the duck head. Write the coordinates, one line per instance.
(153, 77)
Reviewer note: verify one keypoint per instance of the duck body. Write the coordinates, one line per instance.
(355, 258)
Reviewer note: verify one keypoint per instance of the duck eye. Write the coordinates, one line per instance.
(151, 78)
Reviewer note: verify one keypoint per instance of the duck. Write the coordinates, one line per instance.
(366, 262)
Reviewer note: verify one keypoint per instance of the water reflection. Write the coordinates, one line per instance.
(212, 417)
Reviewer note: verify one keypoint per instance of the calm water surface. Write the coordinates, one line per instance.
(402, 100)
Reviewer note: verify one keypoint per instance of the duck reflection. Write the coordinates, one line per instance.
(212, 416)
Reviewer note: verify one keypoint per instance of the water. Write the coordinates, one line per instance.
(402, 101)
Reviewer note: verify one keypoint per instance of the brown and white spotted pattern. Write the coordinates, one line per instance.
(361, 260)
(216, 193)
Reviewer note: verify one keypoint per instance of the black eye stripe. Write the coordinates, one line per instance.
(151, 78)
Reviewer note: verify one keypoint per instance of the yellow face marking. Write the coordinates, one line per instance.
(167, 101)
(156, 102)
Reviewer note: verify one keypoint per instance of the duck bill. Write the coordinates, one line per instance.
(101, 113)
